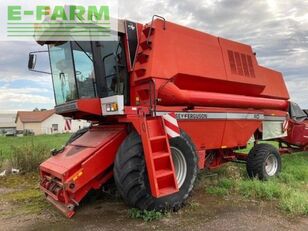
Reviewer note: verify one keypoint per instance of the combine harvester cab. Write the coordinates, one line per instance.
(165, 101)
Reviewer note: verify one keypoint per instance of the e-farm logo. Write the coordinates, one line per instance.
(60, 20)
(15, 13)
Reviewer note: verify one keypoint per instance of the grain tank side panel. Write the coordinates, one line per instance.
(197, 61)
(275, 86)
(233, 138)
(241, 65)
(180, 50)
(205, 134)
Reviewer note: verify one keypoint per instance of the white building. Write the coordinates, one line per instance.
(46, 122)
(7, 122)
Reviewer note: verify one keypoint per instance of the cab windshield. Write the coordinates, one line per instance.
(73, 70)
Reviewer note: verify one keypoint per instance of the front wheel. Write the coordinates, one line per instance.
(131, 176)
(263, 162)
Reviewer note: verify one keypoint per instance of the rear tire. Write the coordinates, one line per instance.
(263, 162)
(131, 178)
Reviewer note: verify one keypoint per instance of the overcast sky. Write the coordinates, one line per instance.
(277, 31)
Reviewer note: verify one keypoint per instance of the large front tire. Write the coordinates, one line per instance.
(131, 176)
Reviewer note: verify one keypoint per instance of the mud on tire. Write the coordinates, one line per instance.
(132, 181)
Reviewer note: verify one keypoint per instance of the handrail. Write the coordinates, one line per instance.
(151, 27)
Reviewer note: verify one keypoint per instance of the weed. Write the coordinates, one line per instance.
(295, 202)
(23, 196)
(145, 215)
(7, 144)
(222, 187)
(28, 157)
(226, 183)
(28, 181)
(22, 192)
(256, 189)
(1, 159)
(26, 153)
(194, 205)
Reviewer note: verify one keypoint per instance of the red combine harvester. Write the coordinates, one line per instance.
(165, 101)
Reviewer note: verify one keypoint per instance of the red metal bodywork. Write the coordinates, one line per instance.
(177, 69)
(169, 94)
(198, 62)
(297, 134)
(83, 165)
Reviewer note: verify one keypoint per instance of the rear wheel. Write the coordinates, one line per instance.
(131, 176)
(263, 162)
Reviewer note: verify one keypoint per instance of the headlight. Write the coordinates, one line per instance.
(112, 107)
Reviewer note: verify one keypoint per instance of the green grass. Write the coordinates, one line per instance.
(23, 194)
(27, 152)
(289, 189)
(7, 144)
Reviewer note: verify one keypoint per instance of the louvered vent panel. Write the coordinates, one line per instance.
(241, 64)
(245, 65)
(251, 70)
(232, 62)
(239, 67)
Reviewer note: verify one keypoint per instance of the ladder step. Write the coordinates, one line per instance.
(140, 72)
(157, 138)
(146, 45)
(163, 172)
(155, 128)
(146, 31)
(142, 58)
(157, 155)
(167, 191)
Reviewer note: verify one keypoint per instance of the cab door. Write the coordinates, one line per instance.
(111, 70)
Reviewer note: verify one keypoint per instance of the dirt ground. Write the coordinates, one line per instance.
(23, 208)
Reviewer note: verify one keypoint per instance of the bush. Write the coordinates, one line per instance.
(28, 157)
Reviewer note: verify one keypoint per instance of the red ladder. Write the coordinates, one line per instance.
(158, 157)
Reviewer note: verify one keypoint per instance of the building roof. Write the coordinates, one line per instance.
(7, 120)
(34, 116)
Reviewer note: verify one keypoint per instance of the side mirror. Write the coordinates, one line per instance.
(31, 61)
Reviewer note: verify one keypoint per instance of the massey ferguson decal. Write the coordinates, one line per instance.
(191, 116)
